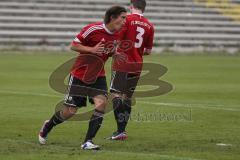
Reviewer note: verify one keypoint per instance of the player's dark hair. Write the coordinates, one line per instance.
(139, 4)
(113, 12)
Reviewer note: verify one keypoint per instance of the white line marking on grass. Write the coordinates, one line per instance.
(224, 145)
(202, 106)
(29, 93)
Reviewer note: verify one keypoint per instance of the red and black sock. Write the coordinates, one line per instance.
(119, 113)
(127, 112)
(55, 120)
(94, 125)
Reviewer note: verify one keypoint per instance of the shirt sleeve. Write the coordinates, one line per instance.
(149, 42)
(80, 38)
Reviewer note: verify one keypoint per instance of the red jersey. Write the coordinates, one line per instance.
(136, 36)
(89, 66)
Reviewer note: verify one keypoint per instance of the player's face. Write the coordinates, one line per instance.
(118, 22)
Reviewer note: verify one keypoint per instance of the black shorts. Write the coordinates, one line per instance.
(78, 91)
(124, 83)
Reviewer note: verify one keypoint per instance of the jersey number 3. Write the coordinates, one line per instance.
(139, 37)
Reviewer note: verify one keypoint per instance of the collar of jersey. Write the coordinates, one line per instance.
(107, 30)
(138, 14)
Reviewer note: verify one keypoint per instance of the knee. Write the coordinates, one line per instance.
(115, 95)
(117, 102)
(68, 112)
(127, 102)
(72, 110)
(100, 103)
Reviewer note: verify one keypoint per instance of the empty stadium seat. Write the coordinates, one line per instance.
(179, 24)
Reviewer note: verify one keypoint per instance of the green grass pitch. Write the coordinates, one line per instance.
(201, 111)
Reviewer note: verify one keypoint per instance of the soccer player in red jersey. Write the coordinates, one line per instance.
(136, 41)
(95, 43)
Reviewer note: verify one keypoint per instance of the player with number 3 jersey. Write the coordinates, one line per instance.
(136, 40)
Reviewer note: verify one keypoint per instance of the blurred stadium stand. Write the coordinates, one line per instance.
(181, 25)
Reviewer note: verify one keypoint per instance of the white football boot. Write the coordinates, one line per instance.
(42, 140)
(89, 145)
